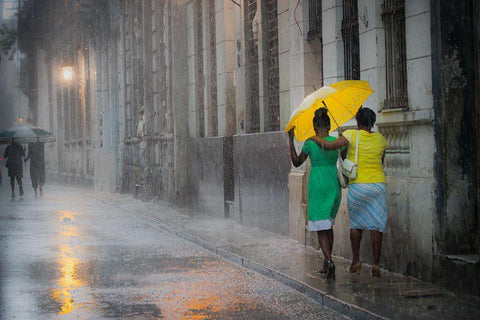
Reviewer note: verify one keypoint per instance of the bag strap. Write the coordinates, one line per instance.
(356, 148)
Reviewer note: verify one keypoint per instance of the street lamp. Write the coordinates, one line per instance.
(67, 72)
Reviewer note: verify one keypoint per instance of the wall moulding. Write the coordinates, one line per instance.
(397, 155)
(401, 117)
(394, 124)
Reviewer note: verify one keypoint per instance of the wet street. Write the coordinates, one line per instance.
(70, 255)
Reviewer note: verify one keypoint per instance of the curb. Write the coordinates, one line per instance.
(325, 300)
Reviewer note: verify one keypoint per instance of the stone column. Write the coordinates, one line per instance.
(148, 98)
(372, 50)
(192, 83)
(297, 205)
(332, 14)
(179, 73)
(303, 60)
(225, 42)
(239, 71)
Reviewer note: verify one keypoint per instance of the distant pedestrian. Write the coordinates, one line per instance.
(36, 155)
(14, 154)
(141, 136)
(367, 193)
(324, 193)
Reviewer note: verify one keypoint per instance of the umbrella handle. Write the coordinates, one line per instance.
(330, 114)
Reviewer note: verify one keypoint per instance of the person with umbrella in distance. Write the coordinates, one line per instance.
(324, 193)
(14, 154)
(36, 155)
(141, 134)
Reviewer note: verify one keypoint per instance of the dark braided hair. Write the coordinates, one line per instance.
(365, 117)
(321, 119)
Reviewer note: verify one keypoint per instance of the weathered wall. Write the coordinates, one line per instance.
(261, 166)
(456, 125)
(455, 37)
(205, 172)
(105, 170)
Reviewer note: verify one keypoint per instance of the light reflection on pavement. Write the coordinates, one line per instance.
(68, 265)
(69, 255)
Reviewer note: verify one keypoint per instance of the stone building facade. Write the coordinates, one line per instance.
(121, 54)
(219, 79)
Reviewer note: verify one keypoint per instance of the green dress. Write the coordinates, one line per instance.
(324, 193)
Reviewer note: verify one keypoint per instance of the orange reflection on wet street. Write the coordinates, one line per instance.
(68, 265)
(202, 308)
(209, 296)
(67, 216)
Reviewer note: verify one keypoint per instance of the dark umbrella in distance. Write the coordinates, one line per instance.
(26, 134)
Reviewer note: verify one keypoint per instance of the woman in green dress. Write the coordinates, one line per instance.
(324, 193)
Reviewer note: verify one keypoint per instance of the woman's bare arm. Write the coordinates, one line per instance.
(330, 145)
(297, 160)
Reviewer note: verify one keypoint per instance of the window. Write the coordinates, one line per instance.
(213, 72)
(393, 16)
(314, 19)
(350, 40)
(272, 85)
(251, 59)
(199, 70)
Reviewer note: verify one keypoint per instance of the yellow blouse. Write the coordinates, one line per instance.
(371, 148)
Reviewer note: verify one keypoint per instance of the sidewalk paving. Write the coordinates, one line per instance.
(392, 296)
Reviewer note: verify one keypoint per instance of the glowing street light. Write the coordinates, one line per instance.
(67, 73)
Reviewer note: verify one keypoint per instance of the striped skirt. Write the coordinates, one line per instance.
(367, 206)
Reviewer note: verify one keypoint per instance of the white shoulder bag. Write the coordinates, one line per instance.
(349, 168)
(341, 178)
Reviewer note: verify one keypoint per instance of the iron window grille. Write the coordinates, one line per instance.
(314, 19)
(213, 72)
(272, 78)
(350, 40)
(252, 110)
(393, 16)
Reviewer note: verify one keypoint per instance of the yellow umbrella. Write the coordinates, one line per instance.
(342, 99)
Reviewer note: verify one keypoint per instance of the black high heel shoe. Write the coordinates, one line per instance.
(330, 274)
(324, 269)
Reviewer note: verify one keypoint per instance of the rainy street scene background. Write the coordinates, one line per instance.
(166, 159)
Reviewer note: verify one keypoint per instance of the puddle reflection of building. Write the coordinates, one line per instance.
(68, 263)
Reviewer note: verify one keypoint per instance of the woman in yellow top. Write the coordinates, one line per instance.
(367, 193)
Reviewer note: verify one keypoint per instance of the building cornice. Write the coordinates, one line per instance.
(401, 117)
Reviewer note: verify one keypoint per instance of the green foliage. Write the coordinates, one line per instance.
(7, 41)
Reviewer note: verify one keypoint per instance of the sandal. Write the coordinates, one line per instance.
(355, 268)
(375, 271)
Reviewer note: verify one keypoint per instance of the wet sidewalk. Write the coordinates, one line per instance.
(392, 296)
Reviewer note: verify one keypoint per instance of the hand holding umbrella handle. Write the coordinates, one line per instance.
(291, 132)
